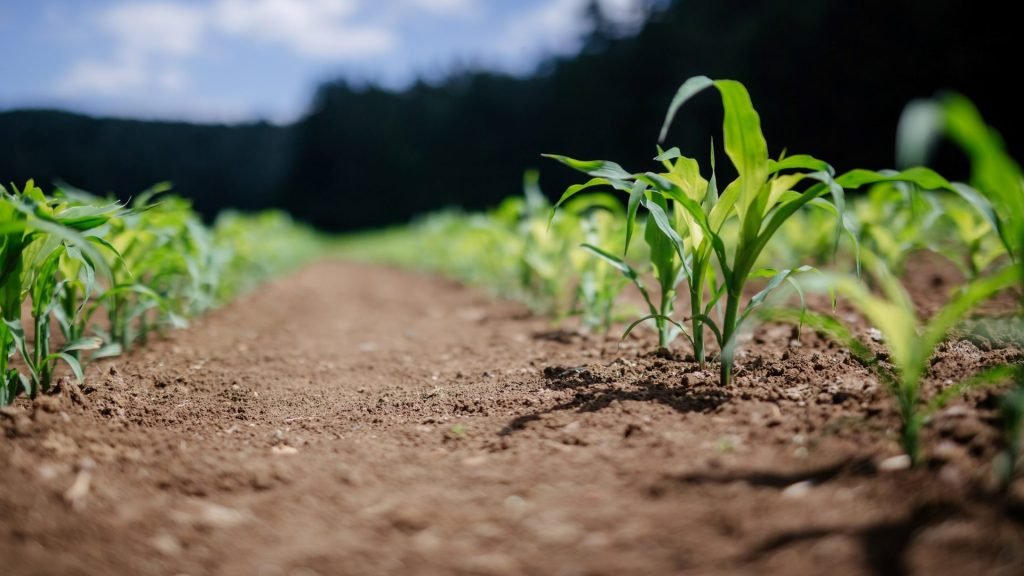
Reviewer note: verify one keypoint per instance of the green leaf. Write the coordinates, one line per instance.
(682, 330)
(635, 196)
(627, 270)
(668, 155)
(596, 168)
(665, 226)
(744, 142)
(777, 278)
(967, 299)
(87, 343)
(688, 90)
(800, 162)
(919, 127)
(923, 177)
(72, 362)
(825, 324)
(108, 351)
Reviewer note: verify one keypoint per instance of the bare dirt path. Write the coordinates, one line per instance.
(360, 420)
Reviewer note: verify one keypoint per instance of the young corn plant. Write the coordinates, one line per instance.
(996, 188)
(79, 281)
(996, 192)
(910, 340)
(38, 233)
(152, 275)
(71, 255)
(686, 218)
(971, 238)
(896, 219)
(599, 283)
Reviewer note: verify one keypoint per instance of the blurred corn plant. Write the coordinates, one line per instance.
(152, 282)
(600, 283)
(249, 249)
(995, 192)
(910, 341)
(515, 250)
(896, 219)
(38, 234)
(996, 189)
(71, 255)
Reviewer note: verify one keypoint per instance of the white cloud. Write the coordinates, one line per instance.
(628, 13)
(125, 73)
(155, 28)
(152, 40)
(552, 26)
(151, 44)
(556, 26)
(317, 28)
(460, 8)
(102, 77)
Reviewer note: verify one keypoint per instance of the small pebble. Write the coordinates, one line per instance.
(798, 490)
(895, 463)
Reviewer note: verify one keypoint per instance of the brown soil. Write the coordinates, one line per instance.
(362, 420)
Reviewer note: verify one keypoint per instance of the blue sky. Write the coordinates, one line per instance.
(237, 60)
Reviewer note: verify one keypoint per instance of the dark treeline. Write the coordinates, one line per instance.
(829, 78)
(242, 166)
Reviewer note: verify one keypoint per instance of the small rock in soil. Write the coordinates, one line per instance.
(798, 490)
(895, 463)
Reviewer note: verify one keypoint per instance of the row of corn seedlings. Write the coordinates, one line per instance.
(109, 274)
(785, 221)
(517, 251)
(713, 240)
(980, 226)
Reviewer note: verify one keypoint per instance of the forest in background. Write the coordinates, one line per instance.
(829, 78)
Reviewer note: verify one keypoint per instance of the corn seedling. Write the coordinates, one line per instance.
(896, 219)
(687, 215)
(807, 237)
(909, 340)
(970, 238)
(599, 283)
(515, 251)
(997, 182)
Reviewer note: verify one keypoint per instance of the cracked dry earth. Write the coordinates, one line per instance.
(353, 419)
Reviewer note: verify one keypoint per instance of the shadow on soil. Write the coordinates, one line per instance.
(856, 467)
(595, 392)
(884, 543)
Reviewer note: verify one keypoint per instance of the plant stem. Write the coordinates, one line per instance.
(732, 306)
(911, 438)
(696, 309)
(664, 327)
(6, 393)
(41, 350)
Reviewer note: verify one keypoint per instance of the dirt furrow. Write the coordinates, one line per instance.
(353, 419)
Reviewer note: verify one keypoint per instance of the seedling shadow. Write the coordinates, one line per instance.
(819, 475)
(594, 393)
(884, 543)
